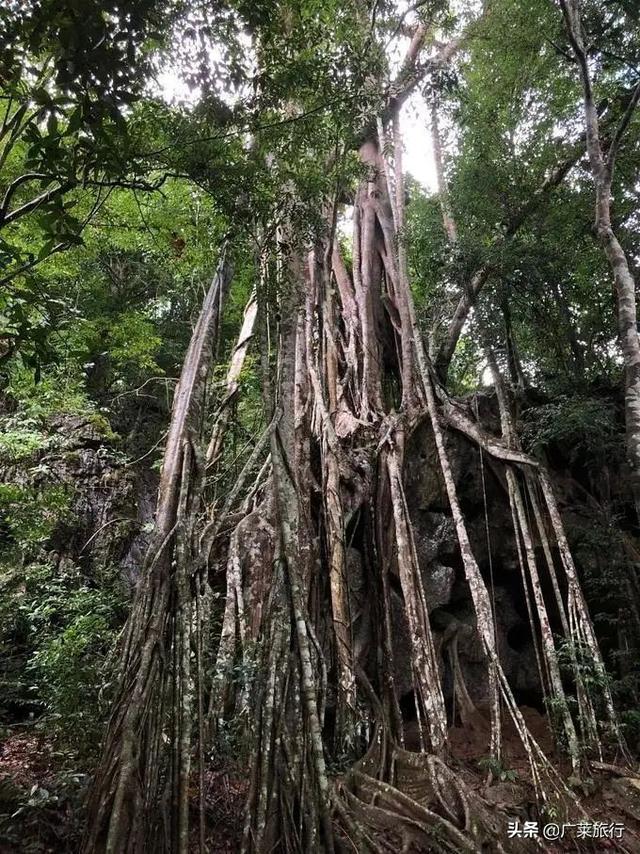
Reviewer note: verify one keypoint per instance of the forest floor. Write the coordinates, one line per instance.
(41, 798)
(610, 796)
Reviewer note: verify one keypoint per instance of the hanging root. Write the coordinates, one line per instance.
(574, 616)
(139, 799)
(426, 804)
(425, 666)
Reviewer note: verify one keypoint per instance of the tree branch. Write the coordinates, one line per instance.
(622, 127)
(15, 185)
(34, 204)
(453, 415)
(59, 247)
(483, 272)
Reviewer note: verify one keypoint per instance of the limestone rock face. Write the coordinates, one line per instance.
(438, 581)
(107, 507)
(436, 537)
(483, 496)
(484, 500)
(402, 673)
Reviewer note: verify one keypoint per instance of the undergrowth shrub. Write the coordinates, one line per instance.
(584, 425)
(57, 631)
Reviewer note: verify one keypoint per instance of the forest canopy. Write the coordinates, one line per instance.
(319, 423)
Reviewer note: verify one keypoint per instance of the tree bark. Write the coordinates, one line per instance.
(125, 811)
(602, 168)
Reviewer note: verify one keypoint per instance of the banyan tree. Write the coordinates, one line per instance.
(351, 673)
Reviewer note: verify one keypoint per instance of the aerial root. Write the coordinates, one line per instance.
(441, 814)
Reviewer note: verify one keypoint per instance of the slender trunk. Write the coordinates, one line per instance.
(448, 220)
(574, 345)
(602, 171)
(236, 365)
(366, 292)
(425, 665)
(513, 359)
